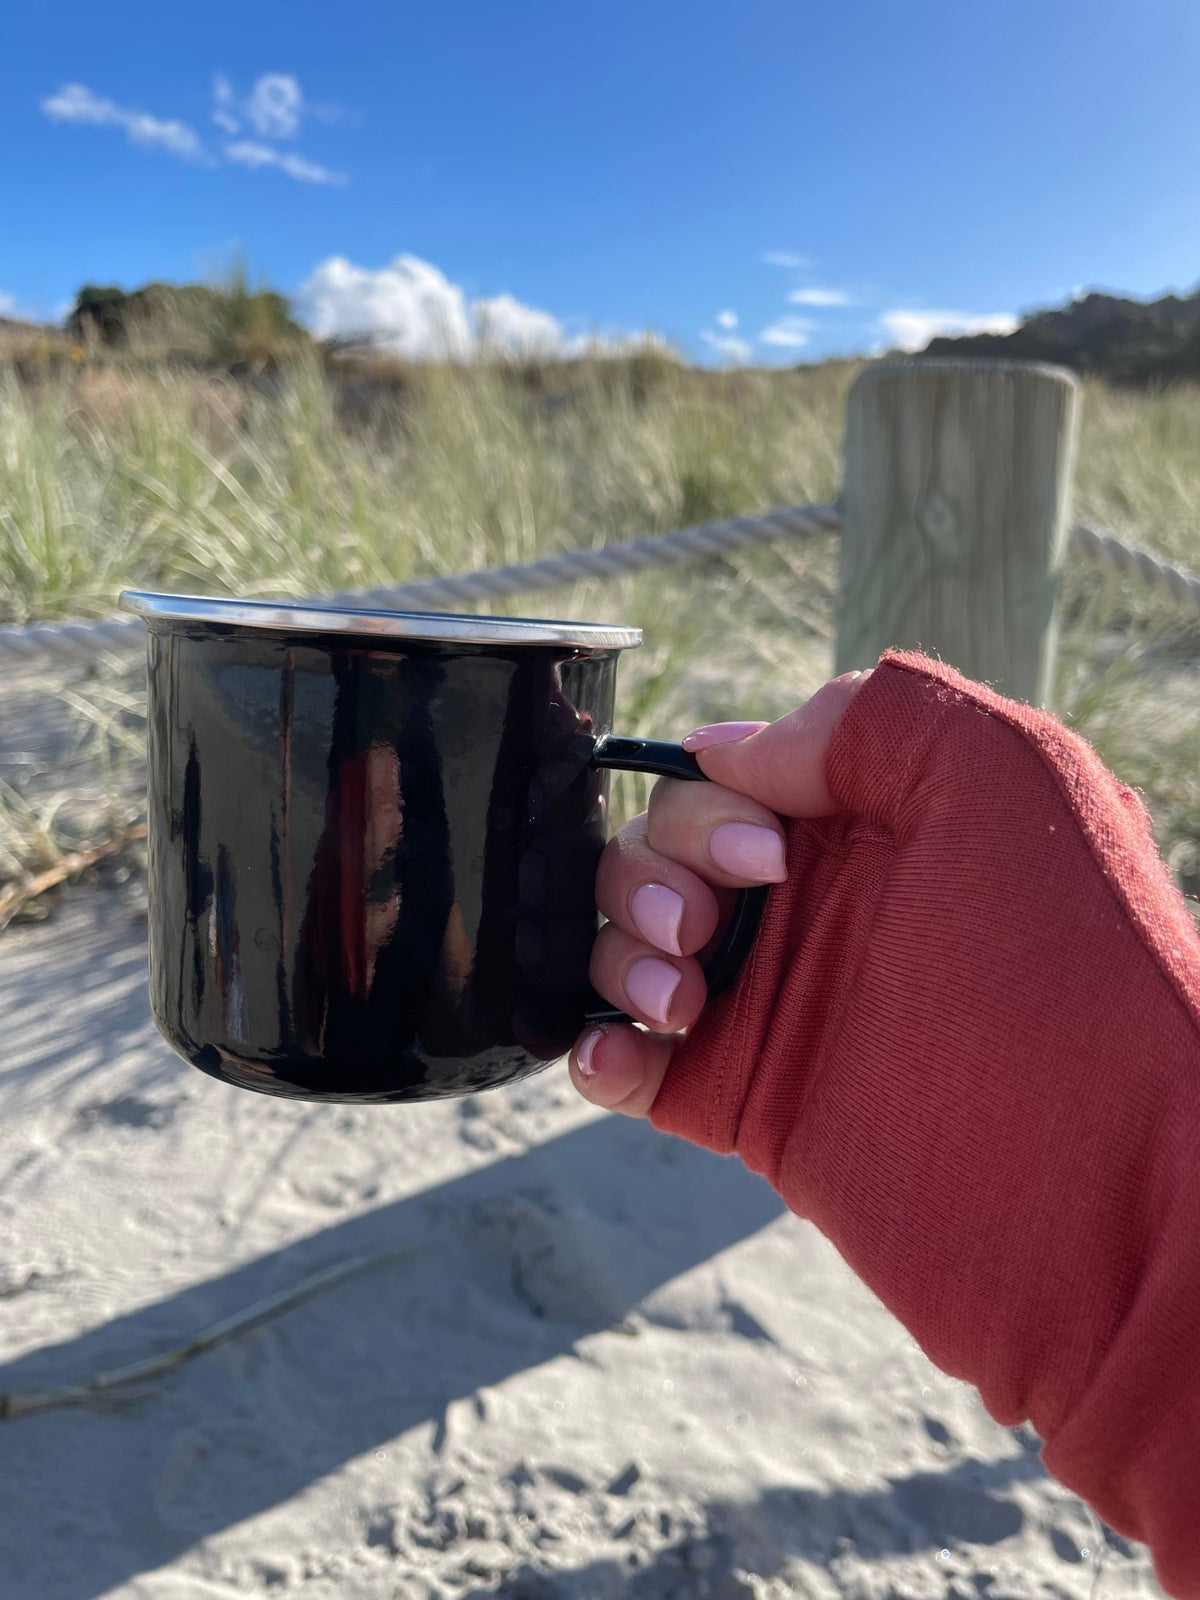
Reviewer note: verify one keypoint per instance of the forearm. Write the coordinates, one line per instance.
(966, 1045)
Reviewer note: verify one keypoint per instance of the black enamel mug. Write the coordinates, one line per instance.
(373, 840)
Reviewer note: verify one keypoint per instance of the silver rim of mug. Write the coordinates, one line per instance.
(278, 616)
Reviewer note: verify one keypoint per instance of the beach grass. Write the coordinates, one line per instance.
(310, 480)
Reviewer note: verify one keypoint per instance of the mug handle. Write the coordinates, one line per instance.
(666, 760)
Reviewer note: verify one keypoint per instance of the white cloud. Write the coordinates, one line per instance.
(274, 106)
(726, 345)
(504, 324)
(247, 153)
(8, 304)
(726, 319)
(789, 333)
(273, 109)
(819, 297)
(912, 330)
(413, 309)
(783, 258)
(332, 114)
(408, 307)
(76, 103)
(225, 105)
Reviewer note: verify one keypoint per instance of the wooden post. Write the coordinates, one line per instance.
(955, 509)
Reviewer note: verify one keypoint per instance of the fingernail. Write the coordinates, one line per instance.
(657, 912)
(719, 733)
(583, 1056)
(651, 984)
(745, 850)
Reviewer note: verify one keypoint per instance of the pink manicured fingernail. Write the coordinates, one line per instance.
(651, 984)
(745, 850)
(583, 1056)
(657, 912)
(719, 733)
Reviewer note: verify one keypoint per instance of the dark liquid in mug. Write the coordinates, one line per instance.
(372, 869)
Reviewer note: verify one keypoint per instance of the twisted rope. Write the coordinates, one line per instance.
(706, 540)
(1106, 550)
(64, 643)
(68, 643)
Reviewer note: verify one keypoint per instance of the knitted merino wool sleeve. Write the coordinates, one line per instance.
(966, 1045)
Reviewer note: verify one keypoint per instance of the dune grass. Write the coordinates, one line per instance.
(123, 476)
(140, 475)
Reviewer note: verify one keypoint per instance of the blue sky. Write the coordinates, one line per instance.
(766, 181)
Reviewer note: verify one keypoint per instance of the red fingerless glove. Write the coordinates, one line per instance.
(966, 1044)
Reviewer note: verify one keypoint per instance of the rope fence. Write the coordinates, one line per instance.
(54, 644)
(1127, 561)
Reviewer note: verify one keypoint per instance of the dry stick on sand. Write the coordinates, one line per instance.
(16, 895)
(107, 1386)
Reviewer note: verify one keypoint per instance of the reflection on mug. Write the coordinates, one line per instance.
(226, 951)
(381, 892)
(197, 879)
(532, 975)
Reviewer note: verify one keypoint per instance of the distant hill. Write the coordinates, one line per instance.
(226, 326)
(1127, 341)
(18, 336)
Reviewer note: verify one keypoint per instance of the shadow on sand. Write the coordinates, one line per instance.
(918, 1515)
(506, 1268)
(513, 1264)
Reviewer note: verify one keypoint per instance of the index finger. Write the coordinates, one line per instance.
(782, 764)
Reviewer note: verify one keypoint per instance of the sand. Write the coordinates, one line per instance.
(579, 1360)
(572, 1359)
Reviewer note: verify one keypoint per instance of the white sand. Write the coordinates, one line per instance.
(611, 1365)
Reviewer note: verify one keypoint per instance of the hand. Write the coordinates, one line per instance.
(965, 1047)
(663, 880)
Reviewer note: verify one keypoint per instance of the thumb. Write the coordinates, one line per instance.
(781, 764)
